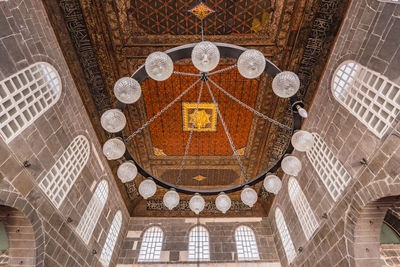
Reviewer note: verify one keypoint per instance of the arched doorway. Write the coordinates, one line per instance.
(17, 238)
(390, 237)
(367, 231)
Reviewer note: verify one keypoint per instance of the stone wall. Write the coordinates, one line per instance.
(26, 37)
(176, 239)
(369, 36)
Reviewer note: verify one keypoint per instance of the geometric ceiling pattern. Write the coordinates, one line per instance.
(170, 17)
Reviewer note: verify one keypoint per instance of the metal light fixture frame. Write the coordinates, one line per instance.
(226, 51)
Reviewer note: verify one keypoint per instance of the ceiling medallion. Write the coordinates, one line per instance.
(199, 116)
(201, 10)
(159, 152)
(206, 117)
(199, 178)
(241, 151)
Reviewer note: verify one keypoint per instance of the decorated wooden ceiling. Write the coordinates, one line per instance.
(169, 133)
(104, 40)
(225, 16)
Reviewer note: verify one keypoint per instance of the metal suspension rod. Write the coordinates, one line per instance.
(250, 108)
(221, 70)
(227, 132)
(187, 74)
(202, 31)
(190, 135)
(147, 123)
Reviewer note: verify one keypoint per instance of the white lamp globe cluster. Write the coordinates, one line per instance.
(302, 141)
(205, 57)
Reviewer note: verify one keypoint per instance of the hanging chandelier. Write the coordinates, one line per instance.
(205, 57)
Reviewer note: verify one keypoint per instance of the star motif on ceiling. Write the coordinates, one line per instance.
(201, 10)
(199, 178)
(202, 119)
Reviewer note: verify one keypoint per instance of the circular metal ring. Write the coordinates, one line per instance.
(227, 51)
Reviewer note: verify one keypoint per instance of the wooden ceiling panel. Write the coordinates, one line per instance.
(167, 132)
(172, 17)
(209, 178)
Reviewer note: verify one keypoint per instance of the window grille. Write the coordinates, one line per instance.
(25, 96)
(199, 244)
(368, 95)
(151, 244)
(111, 239)
(285, 236)
(332, 173)
(92, 213)
(246, 244)
(302, 207)
(59, 180)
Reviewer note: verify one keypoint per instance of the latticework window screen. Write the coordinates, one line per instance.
(199, 248)
(368, 95)
(151, 244)
(111, 239)
(246, 244)
(285, 236)
(332, 173)
(59, 180)
(25, 96)
(302, 207)
(93, 210)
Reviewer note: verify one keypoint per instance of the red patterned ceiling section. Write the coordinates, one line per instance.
(167, 132)
(171, 17)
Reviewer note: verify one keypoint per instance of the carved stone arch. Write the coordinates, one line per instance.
(363, 221)
(19, 203)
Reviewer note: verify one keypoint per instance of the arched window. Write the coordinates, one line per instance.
(111, 239)
(302, 207)
(332, 173)
(246, 244)
(199, 244)
(59, 180)
(368, 95)
(25, 96)
(93, 210)
(151, 244)
(285, 236)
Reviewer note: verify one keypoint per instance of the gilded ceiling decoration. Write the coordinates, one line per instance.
(205, 120)
(104, 40)
(199, 178)
(201, 10)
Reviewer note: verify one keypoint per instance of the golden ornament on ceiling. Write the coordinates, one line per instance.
(201, 11)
